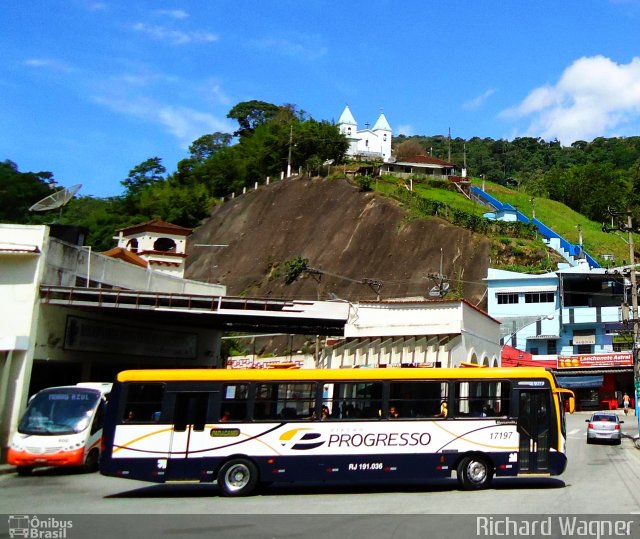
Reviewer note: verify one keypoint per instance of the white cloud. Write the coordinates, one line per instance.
(174, 13)
(293, 49)
(594, 97)
(187, 124)
(91, 5)
(405, 129)
(478, 101)
(48, 63)
(175, 37)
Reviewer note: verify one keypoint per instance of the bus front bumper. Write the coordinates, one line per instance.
(60, 458)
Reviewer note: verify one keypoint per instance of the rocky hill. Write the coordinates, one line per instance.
(352, 237)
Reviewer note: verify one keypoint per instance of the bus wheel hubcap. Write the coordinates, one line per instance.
(477, 471)
(237, 477)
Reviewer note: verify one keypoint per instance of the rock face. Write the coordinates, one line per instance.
(349, 235)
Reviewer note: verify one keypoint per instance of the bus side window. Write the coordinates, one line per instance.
(482, 399)
(418, 398)
(142, 401)
(98, 418)
(357, 400)
(234, 402)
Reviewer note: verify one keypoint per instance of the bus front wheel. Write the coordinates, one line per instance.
(24, 470)
(237, 477)
(474, 473)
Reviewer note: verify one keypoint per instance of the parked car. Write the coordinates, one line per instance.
(604, 426)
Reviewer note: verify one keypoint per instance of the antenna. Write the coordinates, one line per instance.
(442, 285)
(56, 200)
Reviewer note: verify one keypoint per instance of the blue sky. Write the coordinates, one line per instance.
(91, 88)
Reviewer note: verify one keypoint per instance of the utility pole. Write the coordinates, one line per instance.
(628, 227)
(290, 145)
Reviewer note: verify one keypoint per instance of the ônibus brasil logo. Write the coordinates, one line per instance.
(301, 439)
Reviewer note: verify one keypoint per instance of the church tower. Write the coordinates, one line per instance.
(383, 130)
(349, 127)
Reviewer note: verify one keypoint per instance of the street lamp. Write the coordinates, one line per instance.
(628, 227)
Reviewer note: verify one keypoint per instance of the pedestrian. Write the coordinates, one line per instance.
(626, 401)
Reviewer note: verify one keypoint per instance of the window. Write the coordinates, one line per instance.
(132, 245)
(507, 298)
(539, 297)
(354, 400)
(583, 349)
(278, 401)
(233, 405)
(482, 399)
(144, 403)
(552, 346)
(417, 399)
(164, 244)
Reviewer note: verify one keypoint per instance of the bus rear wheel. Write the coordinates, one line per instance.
(237, 477)
(474, 473)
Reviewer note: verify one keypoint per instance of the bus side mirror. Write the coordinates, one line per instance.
(572, 404)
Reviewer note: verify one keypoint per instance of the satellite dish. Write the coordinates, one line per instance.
(328, 162)
(57, 199)
(439, 291)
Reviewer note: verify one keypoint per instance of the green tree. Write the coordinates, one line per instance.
(143, 175)
(19, 191)
(207, 145)
(251, 114)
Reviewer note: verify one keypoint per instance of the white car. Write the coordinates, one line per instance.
(604, 426)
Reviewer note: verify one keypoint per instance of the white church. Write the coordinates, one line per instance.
(368, 143)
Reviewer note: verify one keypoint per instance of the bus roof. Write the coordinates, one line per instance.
(250, 375)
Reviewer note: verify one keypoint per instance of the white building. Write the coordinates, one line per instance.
(162, 246)
(40, 342)
(415, 333)
(369, 142)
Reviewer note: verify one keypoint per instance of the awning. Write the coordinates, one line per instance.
(580, 381)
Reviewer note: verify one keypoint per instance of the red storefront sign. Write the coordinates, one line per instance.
(622, 359)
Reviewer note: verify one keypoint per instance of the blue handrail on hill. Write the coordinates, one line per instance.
(570, 248)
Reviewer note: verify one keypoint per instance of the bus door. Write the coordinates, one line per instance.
(534, 426)
(189, 418)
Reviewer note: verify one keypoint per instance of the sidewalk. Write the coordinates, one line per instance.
(7, 468)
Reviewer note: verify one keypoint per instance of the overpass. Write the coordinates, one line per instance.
(226, 313)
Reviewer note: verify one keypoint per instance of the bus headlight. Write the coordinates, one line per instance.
(17, 446)
(74, 446)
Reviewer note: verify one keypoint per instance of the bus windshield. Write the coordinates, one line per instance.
(59, 411)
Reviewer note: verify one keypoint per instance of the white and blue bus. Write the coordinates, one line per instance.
(244, 428)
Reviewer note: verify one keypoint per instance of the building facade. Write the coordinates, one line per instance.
(367, 143)
(572, 321)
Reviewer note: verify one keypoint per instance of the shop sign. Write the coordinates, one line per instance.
(584, 339)
(622, 359)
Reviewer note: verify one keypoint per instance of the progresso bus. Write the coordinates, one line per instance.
(62, 426)
(255, 427)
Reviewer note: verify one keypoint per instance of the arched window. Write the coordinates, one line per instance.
(132, 245)
(164, 244)
(348, 130)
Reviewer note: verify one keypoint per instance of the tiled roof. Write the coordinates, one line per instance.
(156, 226)
(127, 256)
(424, 160)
